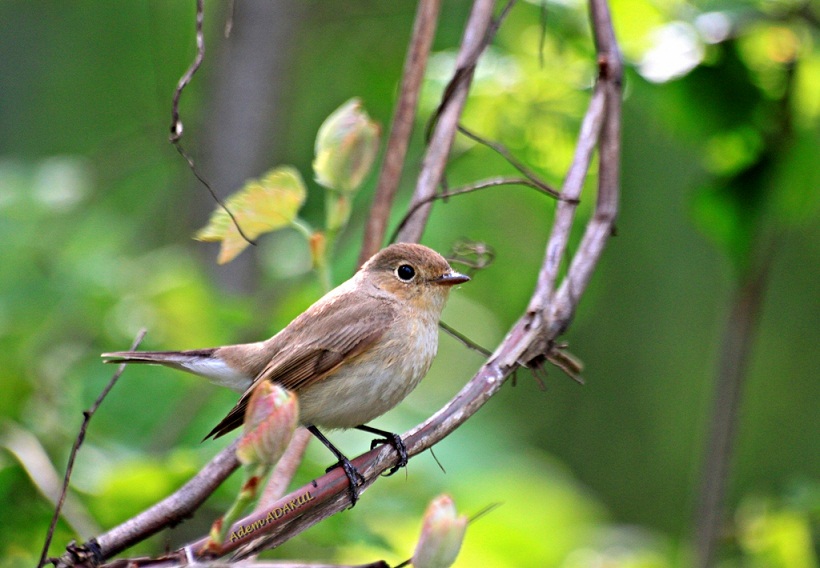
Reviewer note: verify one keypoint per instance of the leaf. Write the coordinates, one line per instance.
(346, 147)
(261, 206)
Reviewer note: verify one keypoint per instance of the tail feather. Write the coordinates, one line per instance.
(170, 358)
(202, 362)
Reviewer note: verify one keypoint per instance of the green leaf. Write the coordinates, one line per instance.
(261, 206)
(346, 147)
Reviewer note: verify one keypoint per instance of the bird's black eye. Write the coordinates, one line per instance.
(405, 272)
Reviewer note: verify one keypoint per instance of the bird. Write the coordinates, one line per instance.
(353, 355)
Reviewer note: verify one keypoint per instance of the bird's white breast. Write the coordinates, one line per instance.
(376, 381)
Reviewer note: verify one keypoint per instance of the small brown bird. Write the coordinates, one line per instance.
(350, 357)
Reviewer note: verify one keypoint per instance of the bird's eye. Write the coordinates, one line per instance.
(405, 272)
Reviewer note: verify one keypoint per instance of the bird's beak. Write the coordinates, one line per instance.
(450, 279)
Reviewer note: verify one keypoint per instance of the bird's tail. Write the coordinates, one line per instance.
(176, 359)
(202, 362)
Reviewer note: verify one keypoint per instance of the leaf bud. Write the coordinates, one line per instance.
(270, 421)
(441, 535)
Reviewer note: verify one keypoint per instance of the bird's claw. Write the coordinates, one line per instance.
(398, 445)
(354, 478)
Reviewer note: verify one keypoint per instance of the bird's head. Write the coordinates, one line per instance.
(413, 273)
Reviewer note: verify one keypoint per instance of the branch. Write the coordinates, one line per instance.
(515, 162)
(176, 122)
(87, 415)
(603, 119)
(438, 150)
(167, 512)
(173, 562)
(403, 118)
(532, 337)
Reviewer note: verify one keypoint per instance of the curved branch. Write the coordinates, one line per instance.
(529, 340)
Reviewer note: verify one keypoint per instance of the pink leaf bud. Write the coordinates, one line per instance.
(270, 421)
(441, 535)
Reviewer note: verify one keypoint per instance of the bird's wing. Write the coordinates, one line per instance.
(349, 332)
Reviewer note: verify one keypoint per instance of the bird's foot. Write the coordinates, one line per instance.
(398, 445)
(354, 478)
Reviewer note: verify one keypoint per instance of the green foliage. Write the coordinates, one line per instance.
(95, 219)
(740, 105)
(346, 147)
(132, 485)
(778, 539)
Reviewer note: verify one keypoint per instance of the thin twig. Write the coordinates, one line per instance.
(484, 184)
(514, 162)
(168, 512)
(203, 181)
(464, 339)
(87, 414)
(465, 72)
(177, 127)
(402, 127)
(176, 121)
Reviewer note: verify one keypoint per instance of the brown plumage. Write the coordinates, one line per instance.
(351, 356)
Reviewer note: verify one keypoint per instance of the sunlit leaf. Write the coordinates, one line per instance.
(774, 534)
(346, 147)
(261, 206)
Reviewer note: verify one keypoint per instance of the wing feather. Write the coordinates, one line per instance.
(349, 331)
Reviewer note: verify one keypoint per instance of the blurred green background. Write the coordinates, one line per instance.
(720, 153)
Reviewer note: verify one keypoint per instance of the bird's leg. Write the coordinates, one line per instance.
(388, 438)
(353, 476)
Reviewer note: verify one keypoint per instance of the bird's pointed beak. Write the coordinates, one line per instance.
(450, 279)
